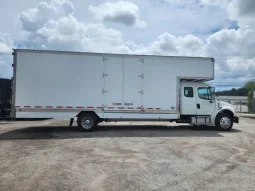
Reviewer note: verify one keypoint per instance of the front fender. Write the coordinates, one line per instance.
(221, 110)
(229, 109)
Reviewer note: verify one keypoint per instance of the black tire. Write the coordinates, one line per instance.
(224, 121)
(87, 122)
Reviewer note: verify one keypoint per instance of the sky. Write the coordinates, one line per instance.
(223, 29)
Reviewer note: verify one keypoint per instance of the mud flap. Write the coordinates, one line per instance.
(236, 119)
(71, 122)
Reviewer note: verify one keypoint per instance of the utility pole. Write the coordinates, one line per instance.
(240, 103)
(253, 101)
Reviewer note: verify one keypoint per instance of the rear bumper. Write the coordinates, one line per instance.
(236, 119)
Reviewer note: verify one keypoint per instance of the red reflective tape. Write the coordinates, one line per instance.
(69, 107)
(121, 107)
(130, 108)
(27, 106)
(38, 106)
(157, 108)
(99, 107)
(17, 106)
(59, 106)
(139, 107)
(110, 107)
(48, 106)
(149, 108)
(90, 107)
(79, 107)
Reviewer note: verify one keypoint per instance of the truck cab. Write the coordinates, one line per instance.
(199, 105)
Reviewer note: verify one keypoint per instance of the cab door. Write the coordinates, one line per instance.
(204, 105)
(188, 100)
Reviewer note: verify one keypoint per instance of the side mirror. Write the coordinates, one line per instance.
(212, 90)
(213, 99)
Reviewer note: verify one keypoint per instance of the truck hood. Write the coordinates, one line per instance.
(225, 105)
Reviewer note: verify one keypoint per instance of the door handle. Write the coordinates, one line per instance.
(198, 106)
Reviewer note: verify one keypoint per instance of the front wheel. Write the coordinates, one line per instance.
(87, 121)
(224, 121)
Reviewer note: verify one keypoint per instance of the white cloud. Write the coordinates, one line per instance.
(69, 34)
(43, 15)
(123, 12)
(5, 66)
(235, 68)
(62, 31)
(6, 45)
(54, 25)
(221, 3)
(197, 3)
(33, 19)
(168, 44)
(183, 17)
(232, 42)
(233, 49)
(234, 53)
(243, 11)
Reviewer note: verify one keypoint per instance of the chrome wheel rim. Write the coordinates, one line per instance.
(87, 122)
(225, 122)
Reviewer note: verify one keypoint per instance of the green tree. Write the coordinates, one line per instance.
(233, 92)
(250, 86)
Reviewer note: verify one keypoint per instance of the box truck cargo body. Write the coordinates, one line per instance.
(97, 87)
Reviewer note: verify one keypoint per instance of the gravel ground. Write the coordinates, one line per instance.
(48, 155)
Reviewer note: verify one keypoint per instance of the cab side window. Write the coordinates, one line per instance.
(188, 92)
(204, 93)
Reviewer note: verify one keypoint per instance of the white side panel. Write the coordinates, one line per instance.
(187, 68)
(140, 116)
(113, 95)
(50, 114)
(101, 115)
(132, 82)
(159, 85)
(45, 79)
(160, 78)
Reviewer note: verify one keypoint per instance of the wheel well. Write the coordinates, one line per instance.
(224, 111)
(228, 112)
(90, 112)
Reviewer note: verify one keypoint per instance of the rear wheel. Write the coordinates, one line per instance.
(87, 121)
(224, 121)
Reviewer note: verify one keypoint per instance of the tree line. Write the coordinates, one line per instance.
(246, 90)
(233, 92)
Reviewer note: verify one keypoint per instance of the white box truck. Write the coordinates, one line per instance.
(96, 87)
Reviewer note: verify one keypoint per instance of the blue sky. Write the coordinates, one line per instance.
(221, 29)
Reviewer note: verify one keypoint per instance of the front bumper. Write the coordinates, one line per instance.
(236, 119)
